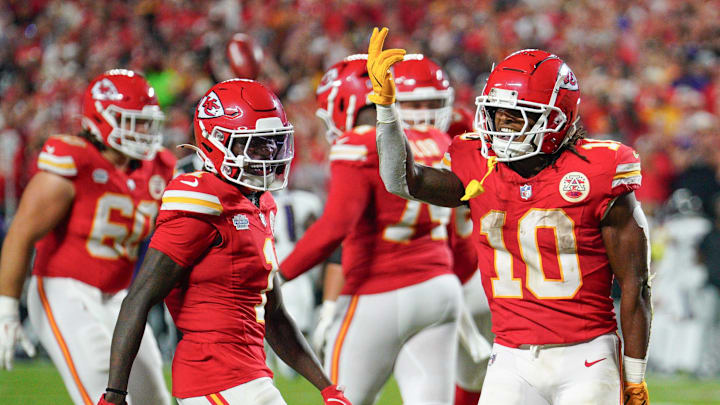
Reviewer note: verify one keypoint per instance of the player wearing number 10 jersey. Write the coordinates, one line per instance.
(93, 201)
(400, 300)
(555, 219)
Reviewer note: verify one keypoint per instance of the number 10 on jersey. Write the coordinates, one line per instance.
(506, 284)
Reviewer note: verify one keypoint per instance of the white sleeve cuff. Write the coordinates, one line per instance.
(386, 113)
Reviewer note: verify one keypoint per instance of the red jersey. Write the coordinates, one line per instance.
(388, 242)
(112, 212)
(209, 225)
(541, 255)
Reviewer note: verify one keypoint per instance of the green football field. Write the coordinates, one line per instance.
(37, 382)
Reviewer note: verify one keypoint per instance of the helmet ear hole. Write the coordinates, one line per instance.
(341, 105)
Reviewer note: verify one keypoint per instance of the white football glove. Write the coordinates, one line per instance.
(11, 332)
(319, 335)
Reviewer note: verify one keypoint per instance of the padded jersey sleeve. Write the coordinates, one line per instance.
(349, 193)
(184, 247)
(625, 176)
(184, 229)
(62, 155)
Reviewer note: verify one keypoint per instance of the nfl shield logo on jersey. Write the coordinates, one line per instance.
(525, 191)
(241, 222)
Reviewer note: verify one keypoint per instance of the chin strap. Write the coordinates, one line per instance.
(475, 188)
(206, 161)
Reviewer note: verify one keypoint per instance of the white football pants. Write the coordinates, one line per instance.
(260, 391)
(74, 322)
(470, 375)
(411, 331)
(580, 374)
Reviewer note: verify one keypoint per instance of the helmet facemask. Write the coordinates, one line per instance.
(135, 133)
(511, 145)
(332, 132)
(258, 159)
(437, 111)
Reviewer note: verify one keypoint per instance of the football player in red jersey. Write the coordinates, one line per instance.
(399, 304)
(555, 218)
(425, 100)
(212, 258)
(94, 199)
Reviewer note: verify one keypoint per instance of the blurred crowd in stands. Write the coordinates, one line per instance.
(649, 72)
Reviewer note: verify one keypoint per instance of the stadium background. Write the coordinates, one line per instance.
(648, 71)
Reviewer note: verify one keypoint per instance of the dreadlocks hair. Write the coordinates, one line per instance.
(100, 146)
(580, 133)
(92, 139)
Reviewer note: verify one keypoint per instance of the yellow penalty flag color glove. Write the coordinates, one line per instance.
(378, 66)
(636, 394)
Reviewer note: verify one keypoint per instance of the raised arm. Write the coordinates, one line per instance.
(624, 231)
(398, 170)
(157, 276)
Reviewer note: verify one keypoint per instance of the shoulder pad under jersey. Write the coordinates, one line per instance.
(192, 192)
(621, 162)
(63, 155)
(356, 145)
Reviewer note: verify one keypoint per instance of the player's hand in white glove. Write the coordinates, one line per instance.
(319, 335)
(11, 332)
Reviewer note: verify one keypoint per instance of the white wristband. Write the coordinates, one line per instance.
(634, 369)
(9, 307)
(386, 114)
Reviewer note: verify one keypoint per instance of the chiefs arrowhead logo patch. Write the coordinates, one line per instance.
(105, 90)
(210, 106)
(569, 81)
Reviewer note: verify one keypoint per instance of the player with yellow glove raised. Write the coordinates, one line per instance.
(378, 66)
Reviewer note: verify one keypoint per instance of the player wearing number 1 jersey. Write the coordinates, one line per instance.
(555, 219)
(213, 259)
(398, 307)
(93, 201)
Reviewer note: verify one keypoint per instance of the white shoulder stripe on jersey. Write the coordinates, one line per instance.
(192, 194)
(190, 207)
(348, 152)
(191, 201)
(627, 167)
(62, 165)
(627, 180)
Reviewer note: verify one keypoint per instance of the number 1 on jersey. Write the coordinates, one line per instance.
(271, 259)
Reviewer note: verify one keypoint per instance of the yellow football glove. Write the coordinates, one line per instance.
(378, 66)
(636, 394)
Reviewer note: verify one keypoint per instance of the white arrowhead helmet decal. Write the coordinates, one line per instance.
(210, 106)
(105, 90)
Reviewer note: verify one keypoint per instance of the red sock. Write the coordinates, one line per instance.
(463, 397)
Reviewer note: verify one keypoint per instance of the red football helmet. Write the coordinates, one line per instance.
(243, 135)
(341, 94)
(418, 79)
(245, 56)
(121, 110)
(539, 85)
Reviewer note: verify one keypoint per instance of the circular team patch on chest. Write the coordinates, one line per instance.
(574, 187)
(156, 186)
